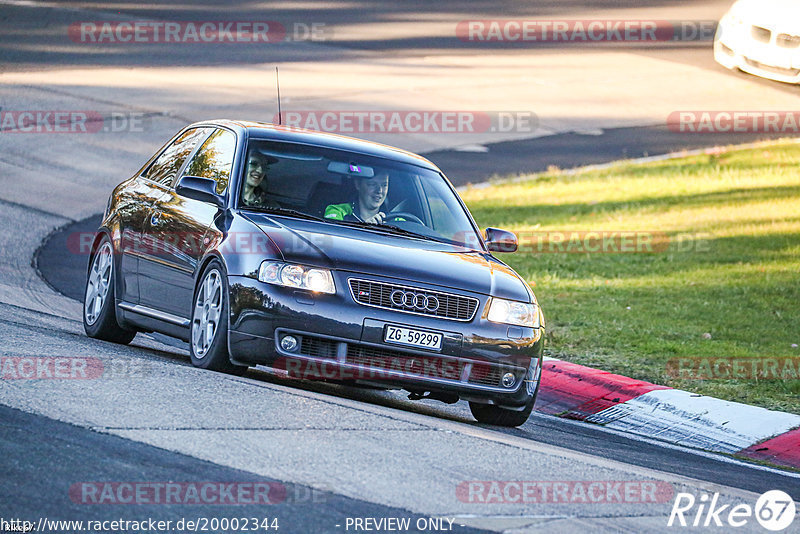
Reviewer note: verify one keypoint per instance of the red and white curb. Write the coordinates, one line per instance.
(672, 415)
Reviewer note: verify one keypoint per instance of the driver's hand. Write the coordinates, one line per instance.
(378, 218)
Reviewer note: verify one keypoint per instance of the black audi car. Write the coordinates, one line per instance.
(329, 257)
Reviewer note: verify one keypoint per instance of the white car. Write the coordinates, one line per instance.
(761, 37)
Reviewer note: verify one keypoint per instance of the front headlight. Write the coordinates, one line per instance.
(299, 276)
(513, 312)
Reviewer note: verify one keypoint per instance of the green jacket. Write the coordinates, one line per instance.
(339, 211)
(342, 212)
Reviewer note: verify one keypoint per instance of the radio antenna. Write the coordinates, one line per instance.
(278, 84)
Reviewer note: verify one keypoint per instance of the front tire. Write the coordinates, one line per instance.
(99, 313)
(209, 329)
(490, 414)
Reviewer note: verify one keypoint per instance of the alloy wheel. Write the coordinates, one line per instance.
(207, 312)
(98, 284)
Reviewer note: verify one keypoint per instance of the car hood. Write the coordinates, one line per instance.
(777, 15)
(369, 253)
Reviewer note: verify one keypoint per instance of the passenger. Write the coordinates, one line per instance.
(370, 206)
(252, 194)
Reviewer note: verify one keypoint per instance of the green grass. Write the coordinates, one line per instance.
(730, 266)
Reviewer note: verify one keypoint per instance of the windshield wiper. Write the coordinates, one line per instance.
(391, 229)
(396, 229)
(287, 211)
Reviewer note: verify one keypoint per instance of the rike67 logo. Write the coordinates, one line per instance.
(774, 510)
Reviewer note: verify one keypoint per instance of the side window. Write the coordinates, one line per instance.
(215, 159)
(165, 168)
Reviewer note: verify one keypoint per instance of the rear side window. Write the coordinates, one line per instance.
(215, 159)
(165, 168)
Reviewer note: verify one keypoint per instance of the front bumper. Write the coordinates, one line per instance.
(342, 340)
(735, 48)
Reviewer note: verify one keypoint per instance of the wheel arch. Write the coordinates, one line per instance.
(98, 237)
(100, 234)
(208, 258)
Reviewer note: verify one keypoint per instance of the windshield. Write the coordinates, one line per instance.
(353, 189)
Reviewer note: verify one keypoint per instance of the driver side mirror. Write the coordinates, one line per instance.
(501, 240)
(198, 188)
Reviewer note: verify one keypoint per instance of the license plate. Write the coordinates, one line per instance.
(412, 337)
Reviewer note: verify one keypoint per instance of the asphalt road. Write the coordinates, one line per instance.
(152, 418)
(67, 275)
(68, 453)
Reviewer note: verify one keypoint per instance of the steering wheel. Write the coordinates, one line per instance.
(393, 215)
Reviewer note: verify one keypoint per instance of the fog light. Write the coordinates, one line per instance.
(509, 379)
(289, 343)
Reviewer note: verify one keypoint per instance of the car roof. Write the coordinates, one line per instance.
(276, 132)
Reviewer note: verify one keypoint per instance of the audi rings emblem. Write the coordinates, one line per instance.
(414, 301)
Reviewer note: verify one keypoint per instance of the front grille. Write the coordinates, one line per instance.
(788, 41)
(488, 374)
(447, 305)
(760, 34)
(378, 363)
(485, 374)
(409, 364)
(318, 347)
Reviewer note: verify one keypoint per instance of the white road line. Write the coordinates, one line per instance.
(695, 420)
(667, 445)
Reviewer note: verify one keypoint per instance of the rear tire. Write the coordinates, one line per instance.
(208, 343)
(99, 299)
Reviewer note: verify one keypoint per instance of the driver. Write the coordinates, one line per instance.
(370, 206)
(257, 167)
